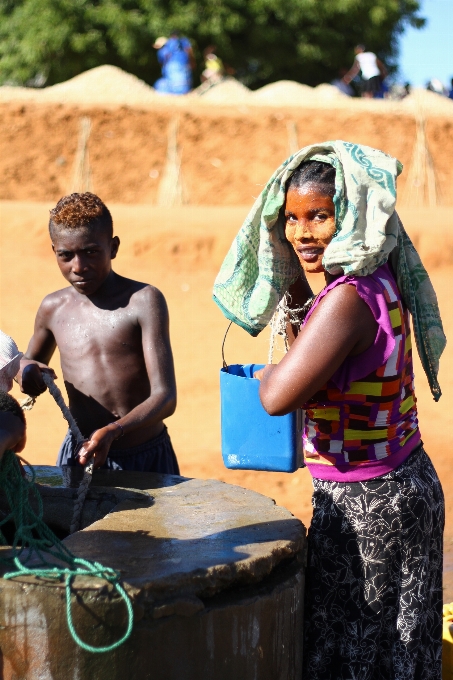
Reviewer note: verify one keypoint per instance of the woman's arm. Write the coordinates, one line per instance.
(342, 325)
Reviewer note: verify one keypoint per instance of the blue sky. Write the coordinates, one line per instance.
(428, 53)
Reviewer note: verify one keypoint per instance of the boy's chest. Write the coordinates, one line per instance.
(87, 331)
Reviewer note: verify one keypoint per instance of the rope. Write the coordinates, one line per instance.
(81, 496)
(78, 436)
(33, 540)
(56, 394)
(284, 315)
(28, 403)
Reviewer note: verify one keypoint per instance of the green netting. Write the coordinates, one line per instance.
(35, 546)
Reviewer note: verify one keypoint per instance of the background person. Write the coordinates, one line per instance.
(372, 70)
(436, 85)
(341, 84)
(213, 66)
(178, 61)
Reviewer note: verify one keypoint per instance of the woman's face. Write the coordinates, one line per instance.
(310, 224)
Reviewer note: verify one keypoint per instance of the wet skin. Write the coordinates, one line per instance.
(113, 338)
(342, 325)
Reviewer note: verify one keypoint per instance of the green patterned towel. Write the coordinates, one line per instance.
(261, 265)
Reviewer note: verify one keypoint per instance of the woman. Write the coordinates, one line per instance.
(374, 574)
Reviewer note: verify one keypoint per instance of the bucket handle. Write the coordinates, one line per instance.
(225, 365)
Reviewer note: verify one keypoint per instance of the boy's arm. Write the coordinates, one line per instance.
(154, 322)
(39, 352)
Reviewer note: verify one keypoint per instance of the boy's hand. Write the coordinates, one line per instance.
(12, 433)
(98, 446)
(30, 377)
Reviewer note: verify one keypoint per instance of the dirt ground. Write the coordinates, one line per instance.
(179, 250)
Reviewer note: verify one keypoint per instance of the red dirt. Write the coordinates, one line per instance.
(179, 250)
(227, 153)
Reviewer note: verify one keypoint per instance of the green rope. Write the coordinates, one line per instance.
(33, 540)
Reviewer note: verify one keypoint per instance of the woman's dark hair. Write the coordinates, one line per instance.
(314, 172)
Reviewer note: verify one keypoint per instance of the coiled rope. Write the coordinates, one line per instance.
(34, 542)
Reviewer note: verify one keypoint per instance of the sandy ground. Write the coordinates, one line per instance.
(179, 250)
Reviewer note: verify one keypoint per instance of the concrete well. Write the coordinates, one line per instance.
(216, 574)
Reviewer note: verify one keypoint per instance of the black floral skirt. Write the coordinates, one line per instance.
(374, 577)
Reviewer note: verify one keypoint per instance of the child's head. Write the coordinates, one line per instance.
(80, 211)
(81, 230)
(10, 413)
(9, 361)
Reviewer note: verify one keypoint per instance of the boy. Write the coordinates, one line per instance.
(113, 338)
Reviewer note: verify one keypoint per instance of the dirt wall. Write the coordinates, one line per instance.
(227, 154)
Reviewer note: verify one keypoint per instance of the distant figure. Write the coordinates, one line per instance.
(399, 91)
(450, 94)
(436, 85)
(341, 85)
(214, 69)
(372, 69)
(175, 54)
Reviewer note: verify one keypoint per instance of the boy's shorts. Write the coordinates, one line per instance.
(155, 455)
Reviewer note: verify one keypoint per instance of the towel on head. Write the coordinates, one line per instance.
(9, 361)
(261, 264)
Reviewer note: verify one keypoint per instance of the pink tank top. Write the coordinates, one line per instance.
(363, 422)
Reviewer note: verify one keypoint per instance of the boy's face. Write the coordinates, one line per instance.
(84, 257)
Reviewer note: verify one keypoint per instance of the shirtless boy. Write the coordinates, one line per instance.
(113, 338)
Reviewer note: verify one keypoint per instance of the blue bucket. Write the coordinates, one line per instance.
(251, 438)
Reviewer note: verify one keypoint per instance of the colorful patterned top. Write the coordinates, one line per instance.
(363, 423)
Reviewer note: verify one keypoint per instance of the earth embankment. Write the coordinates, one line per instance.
(226, 153)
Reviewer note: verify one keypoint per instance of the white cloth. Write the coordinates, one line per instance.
(9, 361)
(368, 64)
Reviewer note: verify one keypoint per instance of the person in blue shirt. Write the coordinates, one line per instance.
(450, 94)
(177, 60)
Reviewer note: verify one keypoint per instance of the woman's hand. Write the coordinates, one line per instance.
(99, 445)
(263, 372)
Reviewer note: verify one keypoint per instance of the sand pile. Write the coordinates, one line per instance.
(229, 91)
(101, 85)
(327, 91)
(109, 86)
(290, 93)
(428, 103)
(283, 93)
